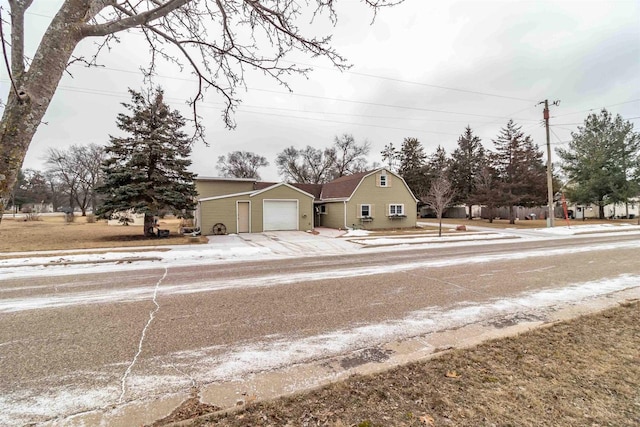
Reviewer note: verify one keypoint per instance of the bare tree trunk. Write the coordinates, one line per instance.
(149, 224)
(31, 91)
(512, 217)
(440, 225)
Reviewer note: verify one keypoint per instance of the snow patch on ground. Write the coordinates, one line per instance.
(591, 228)
(9, 305)
(23, 408)
(384, 241)
(210, 365)
(356, 233)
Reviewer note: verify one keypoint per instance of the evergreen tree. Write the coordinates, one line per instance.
(467, 163)
(487, 190)
(520, 168)
(412, 162)
(412, 156)
(31, 187)
(147, 170)
(602, 161)
(438, 165)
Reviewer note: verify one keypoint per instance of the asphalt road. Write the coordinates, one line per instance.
(99, 339)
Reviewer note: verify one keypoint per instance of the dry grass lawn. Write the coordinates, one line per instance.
(584, 372)
(52, 233)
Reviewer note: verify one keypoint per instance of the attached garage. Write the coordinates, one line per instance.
(277, 207)
(280, 215)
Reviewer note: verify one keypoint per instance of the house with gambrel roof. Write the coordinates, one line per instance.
(376, 199)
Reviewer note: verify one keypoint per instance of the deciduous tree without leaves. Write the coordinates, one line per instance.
(439, 198)
(240, 34)
(316, 166)
(241, 164)
(80, 169)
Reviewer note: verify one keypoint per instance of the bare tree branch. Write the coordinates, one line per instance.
(439, 198)
(219, 40)
(133, 20)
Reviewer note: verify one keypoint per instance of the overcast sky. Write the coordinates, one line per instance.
(424, 69)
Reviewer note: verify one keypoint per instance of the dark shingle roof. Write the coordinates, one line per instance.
(342, 187)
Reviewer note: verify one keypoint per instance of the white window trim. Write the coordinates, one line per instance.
(396, 210)
(360, 215)
(322, 209)
(386, 180)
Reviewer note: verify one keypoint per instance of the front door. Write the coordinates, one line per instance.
(243, 217)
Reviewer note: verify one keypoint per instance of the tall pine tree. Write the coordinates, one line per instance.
(146, 171)
(412, 162)
(467, 163)
(521, 171)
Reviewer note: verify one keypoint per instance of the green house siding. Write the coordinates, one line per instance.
(224, 210)
(379, 198)
(215, 188)
(305, 207)
(220, 211)
(290, 208)
(333, 216)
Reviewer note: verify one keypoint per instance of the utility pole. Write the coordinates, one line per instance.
(551, 215)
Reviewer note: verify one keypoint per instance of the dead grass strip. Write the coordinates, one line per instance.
(585, 371)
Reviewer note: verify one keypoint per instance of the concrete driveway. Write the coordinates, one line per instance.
(325, 241)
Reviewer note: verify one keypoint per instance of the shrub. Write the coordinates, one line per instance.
(91, 218)
(32, 216)
(125, 219)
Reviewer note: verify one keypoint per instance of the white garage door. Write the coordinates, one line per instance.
(280, 215)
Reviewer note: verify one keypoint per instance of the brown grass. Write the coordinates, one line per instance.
(584, 372)
(52, 233)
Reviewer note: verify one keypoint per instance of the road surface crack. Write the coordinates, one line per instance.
(152, 315)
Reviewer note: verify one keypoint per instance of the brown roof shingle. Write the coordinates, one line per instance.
(342, 187)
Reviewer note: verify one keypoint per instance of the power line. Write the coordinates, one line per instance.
(393, 79)
(334, 99)
(119, 94)
(352, 124)
(581, 123)
(241, 108)
(403, 107)
(592, 109)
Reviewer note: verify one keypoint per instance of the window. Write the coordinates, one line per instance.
(396, 210)
(322, 209)
(365, 211)
(383, 181)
